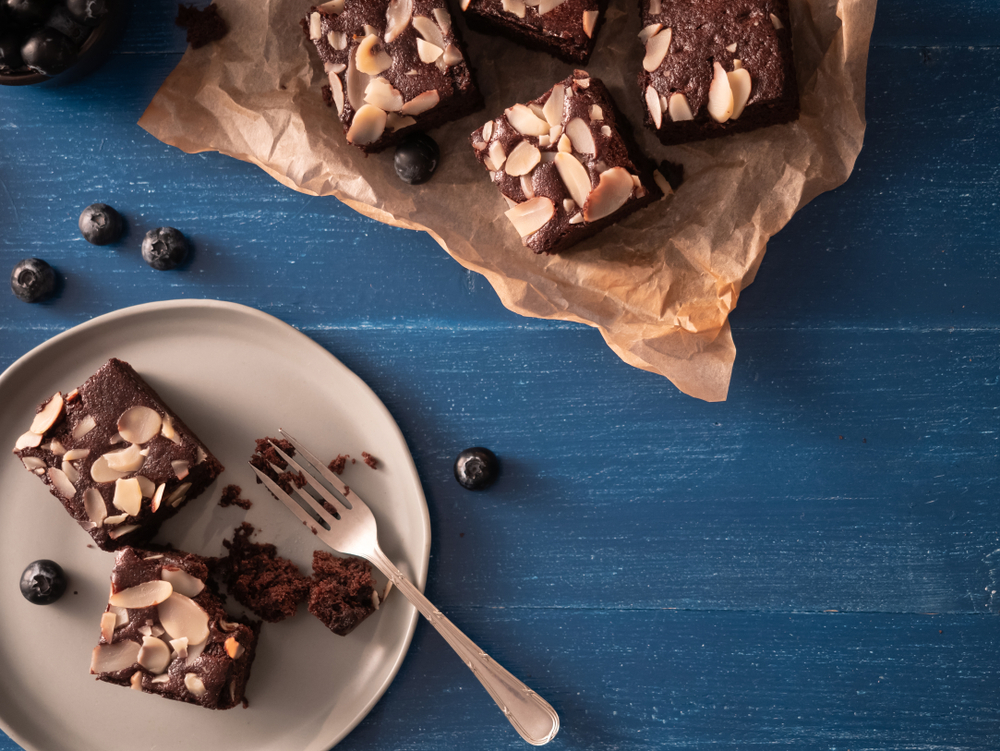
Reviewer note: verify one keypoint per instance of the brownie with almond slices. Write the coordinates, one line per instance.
(165, 632)
(712, 68)
(116, 456)
(566, 164)
(392, 67)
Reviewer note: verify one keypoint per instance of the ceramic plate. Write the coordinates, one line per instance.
(234, 374)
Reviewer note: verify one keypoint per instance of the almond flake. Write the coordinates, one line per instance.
(315, 26)
(568, 205)
(128, 496)
(612, 191)
(83, 427)
(576, 218)
(126, 460)
(731, 47)
(32, 462)
(397, 16)
(421, 103)
(48, 415)
(183, 617)
(108, 621)
(136, 680)
(678, 108)
(233, 648)
(168, 431)
(367, 126)
(739, 82)
(606, 131)
(656, 49)
(139, 424)
(28, 440)
(776, 22)
(574, 176)
(544, 6)
(516, 7)
(337, 40)
(526, 187)
(443, 18)
(145, 595)
(61, 483)
(371, 59)
(180, 646)
(179, 494)
(452, 55)
(182, 581)
(564, 144)
(112, 521)
(93, 504)
(589, 22)
(720, 95)
(522, 159)
(596, 113)
(430, 32)
(553, 108)
(526, 122)
(497, 155)
(158, 497)
(395, 121)
(580, 136)
(654, 106)
(488, 131)
(154, 655)
(649, 31)
(194, 684)
(71, 472)
(661, 183)
(73, 454)
(427, 52)
(531, 216)
(110, 658)
(336, 7)
(383, 95)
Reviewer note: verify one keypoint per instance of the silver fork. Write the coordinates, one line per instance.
(353, 532)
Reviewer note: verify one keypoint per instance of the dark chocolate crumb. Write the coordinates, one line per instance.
(347, 490)
(265, 456)
(231, 497)
(203, 25)
(338, 464)
(370, 460)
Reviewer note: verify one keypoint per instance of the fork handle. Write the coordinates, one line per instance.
(532, 717)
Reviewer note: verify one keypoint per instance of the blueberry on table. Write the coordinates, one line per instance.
(476, 468)
(164, 248)
(416, 158)
(29, 12)
(32, 280)
(49, 52)
(100, 224)
(43, 582)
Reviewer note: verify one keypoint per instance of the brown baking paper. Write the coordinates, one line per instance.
(661, 284)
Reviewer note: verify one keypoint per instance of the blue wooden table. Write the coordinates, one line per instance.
(812, 564)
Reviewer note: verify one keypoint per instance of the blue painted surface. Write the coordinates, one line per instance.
(808, 565)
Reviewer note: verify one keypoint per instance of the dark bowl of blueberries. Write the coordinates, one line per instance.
(42, 39)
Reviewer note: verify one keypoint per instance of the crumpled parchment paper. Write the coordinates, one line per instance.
(660, 285)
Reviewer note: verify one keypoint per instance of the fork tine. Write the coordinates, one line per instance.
(295, 508)
(327, 475)
(312, 482)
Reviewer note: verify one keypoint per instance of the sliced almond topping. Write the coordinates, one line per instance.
(554, 132)
(427, 52)
(93, 504)
(443, 18)
(576, 218)
(731, 47)
(739, 82)
(526, 122)
(70, 471)
(336, 7)
(144, 595)
(568, 205)
(368, 125)
(154, 655)
(194, 684)
(83, 427)
(515, 7)
(421, 103)
(126, 460)
(337, 40)
(656, 49)
(128, 496)
(606, 131)
(32, 462)
(522, 159)
(395, 121)
(121, 615)
(531, 216)
(510, 204)
(376, 600)
(654, 106)
(167, 430)
(397, 16)
(654, 7)
(61, 483)
(544, 6)
(161, 678)
(101, 472)
(28, 440)
(227, 626)
(136, 680)
(488, 131)
(110, 658)
(464, 4)
(649, 31)
(429, 31)
(56, 447)
(48, 415)
(182, 581)
(574, 176)
(337, 91)
(180, 646)
(497, 155)
(737, 64)
(183, 617)
(108, 621)
(553, 108)
(139, 424)
(315, 26)
(526, 187)
(596, 113)
(158, 497)
(179, 494)
(678, 108)
(579, 134)
(452, 55)
(589, 22)
(233, 648)
(371, 58)
(720, 95)
(111, 521)
(146, 486)
(776, 22)
(73, 454)
(564, 144)
(194, 652)
(611, 193)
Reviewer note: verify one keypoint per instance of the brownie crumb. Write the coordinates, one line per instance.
(265, 455)
(203, 25)
(231, 497)
(260, 579)
(342, 591)
(370, 460)
(338, 464)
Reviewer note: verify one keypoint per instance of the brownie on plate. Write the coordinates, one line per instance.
(165, 632)
(269, 585)
(342, 591)
(392, 66)
(116, 456)
(566, 164)
(715, 67)
(565, 29)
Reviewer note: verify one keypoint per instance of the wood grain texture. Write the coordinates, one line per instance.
(812, 564)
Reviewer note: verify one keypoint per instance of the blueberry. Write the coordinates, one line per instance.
(48, 52)
(32, 280)
(476, 468)
(100, 224)
(43, 582)
(29, 12)
(164, 248)
(62, 21)
(416, 158)
(88, 12)
(10, 53)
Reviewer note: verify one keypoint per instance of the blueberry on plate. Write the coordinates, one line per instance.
(32, 280)
(100, 224)
(10, 53)
(43, 582)
(416, 158)
(476, 468)
(164, 248)
(29, 12)
(48, 52)
(88, 12)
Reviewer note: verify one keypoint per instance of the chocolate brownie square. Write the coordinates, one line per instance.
(117, 457)
(566, 29)
(715, 67)
(165, 632)
(566, 164)
(393, 67)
